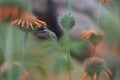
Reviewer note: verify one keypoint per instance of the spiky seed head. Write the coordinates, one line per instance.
(94, 65)
(67, 20)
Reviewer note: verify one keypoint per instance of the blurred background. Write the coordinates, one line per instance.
(47, 53)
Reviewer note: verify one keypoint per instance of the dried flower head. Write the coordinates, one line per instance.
(14, 67)
(95, 67)
(28, 22)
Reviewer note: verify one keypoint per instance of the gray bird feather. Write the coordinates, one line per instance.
(47, 34)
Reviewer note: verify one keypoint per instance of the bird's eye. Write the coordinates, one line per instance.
(40, 29)
(43, 28)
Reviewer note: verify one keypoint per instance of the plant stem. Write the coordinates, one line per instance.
(99, 14)
(68, 55)
(23, 54)
(29, 4)
(69, 63)
(9, 51)
(70, 5)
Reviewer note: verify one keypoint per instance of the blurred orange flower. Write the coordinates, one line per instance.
(105, 1)
(88, 33)
(28, 20)
(9, 12)
(25, 75)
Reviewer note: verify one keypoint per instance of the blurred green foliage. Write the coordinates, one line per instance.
(1, 57)
(33, 59)
(15, 3)
(109, 22)
(61, 50)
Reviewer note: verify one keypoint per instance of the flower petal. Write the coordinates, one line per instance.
(19, 22)
(27, 24)
(110, 72)
(105, 74)
(23, 22)
(85, 77)
(39, 25)
(14, 22)
(42, 22)
(31, 25)
(95, 77)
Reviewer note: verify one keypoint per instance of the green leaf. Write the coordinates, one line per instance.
(42, 71)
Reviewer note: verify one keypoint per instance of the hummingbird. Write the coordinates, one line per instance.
(45, 33)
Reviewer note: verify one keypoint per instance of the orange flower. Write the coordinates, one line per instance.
(85, 76)
(25, 75)
(88, 33)
(97, 44)
(28, 21)
(8, 12)
(105, 1)
(15, 13)
(95, 77)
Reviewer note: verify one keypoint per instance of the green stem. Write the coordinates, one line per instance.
(9, 50)
(23, 54)
(29, 4)
(99, 14)
(68, 61)
(69, 5)
(69, 66)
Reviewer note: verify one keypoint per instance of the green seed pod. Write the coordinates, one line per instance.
(66, 20)
(96, 38)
